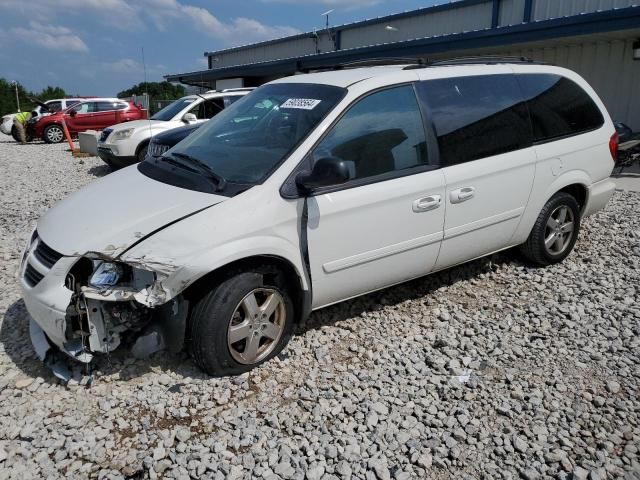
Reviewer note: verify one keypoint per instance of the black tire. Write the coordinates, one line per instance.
(53, 134)
(534, 249)
(14, 133)
(142, 152)
(213, 314)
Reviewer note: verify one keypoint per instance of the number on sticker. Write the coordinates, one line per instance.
(301, 103)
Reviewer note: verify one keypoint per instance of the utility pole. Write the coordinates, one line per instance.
(15, 84)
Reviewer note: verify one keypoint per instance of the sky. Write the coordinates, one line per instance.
(94, 47)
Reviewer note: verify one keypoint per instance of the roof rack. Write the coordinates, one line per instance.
(369, 62)
(480, 59)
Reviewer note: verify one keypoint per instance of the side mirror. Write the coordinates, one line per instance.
(189, 118)
(73, 113)
(326, 172)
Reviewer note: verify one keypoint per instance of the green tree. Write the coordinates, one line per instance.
(155, 90)
(8, 97)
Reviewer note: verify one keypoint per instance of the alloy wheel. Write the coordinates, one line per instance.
(559, 230)
(256, 326)
(55, 134)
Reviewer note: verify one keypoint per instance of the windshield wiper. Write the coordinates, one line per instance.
(221, 182)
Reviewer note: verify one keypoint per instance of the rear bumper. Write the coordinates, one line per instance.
(599, 194)
(114, 160)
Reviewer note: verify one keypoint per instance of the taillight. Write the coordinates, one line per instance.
(613, 146)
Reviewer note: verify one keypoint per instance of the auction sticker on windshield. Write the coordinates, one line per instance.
(301, 103)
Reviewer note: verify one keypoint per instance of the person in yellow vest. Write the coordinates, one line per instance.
(20, 122)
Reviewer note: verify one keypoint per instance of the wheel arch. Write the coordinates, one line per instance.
(268, 265)
(574, 182)
(142, 144)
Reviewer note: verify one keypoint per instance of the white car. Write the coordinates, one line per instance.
(41, 109)
(127, 143)
(314, 189)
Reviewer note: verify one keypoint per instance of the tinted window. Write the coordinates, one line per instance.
(54, 106)
(381, 133)
(208, 109)
(122, 105)
(558, 106)
(477, 117)
(106, 106)
(231, 99)
(71, 103)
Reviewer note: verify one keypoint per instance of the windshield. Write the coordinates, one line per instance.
(171, 110)
(246, 141)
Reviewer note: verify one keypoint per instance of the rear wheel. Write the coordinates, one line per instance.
(555, 232)
(53, 134)
(14, 134)
(243, 322)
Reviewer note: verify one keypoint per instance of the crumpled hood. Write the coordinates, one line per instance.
(114, 212)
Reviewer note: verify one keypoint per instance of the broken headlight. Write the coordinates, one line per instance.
(106, 275)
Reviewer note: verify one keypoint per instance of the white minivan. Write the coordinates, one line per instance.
(311, 190)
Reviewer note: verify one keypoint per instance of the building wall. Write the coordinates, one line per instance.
(474, 17)
(607, 65)
(511, 12)
(460, 18)
(545, 9)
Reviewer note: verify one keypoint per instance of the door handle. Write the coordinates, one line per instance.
(427, 203)
(462, 194)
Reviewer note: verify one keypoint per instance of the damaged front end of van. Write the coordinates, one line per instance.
(85, 289)
(92, 304)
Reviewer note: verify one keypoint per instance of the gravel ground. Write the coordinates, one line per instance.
(489, 370)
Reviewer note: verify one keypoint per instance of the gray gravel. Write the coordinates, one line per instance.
(489, 370)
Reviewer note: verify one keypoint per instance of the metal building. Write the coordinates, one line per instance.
(600, 39)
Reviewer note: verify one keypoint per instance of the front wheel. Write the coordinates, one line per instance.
(243, 322)
(53, 134)
(555, 232)
(142, 152)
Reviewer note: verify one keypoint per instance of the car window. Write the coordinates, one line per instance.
(231, 99)
(106, 106)
(86, 107)
(54, 106)
(381, 133)
(208, 109)
(71, 103)
(476, 117)
(174, 108)
(121, 105)
(558, 106)
(245, 142)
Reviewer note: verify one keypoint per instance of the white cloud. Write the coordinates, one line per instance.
(161, 14)
(124, 65)
(51, 37)
(238, 30)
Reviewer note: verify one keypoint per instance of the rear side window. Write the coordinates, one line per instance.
(559, 107)
(477, 117)
(54, 106)
(106, 106)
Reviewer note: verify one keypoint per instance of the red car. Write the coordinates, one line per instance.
(94, 114)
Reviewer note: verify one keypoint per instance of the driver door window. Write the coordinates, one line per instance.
(381, 134)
